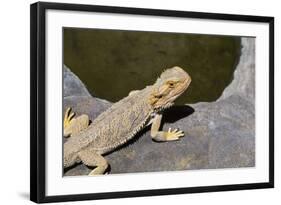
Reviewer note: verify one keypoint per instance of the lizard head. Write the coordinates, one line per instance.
(170, 85)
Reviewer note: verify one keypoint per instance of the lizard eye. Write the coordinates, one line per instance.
(171, 84)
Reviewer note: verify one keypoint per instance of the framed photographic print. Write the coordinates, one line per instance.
(129, 102)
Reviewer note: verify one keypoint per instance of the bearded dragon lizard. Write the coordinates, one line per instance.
(122, 121)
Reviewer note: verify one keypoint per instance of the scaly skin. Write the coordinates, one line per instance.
(120, 123)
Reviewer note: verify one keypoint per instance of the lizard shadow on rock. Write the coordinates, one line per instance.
(176, 113)
(70, 167)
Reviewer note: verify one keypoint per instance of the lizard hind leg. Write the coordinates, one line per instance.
(93, 159)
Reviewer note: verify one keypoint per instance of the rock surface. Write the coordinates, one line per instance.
(72, 84)
(219, 134)
(244, 75)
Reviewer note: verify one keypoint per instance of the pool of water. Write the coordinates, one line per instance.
(112, 63)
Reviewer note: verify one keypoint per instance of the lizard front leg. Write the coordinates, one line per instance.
(73, 125)
(91, 158)
(162, 135)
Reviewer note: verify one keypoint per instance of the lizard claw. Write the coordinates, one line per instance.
(73, 125)
(68, 117)
(174, 135)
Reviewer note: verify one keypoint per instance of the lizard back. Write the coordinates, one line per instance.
(116, 125)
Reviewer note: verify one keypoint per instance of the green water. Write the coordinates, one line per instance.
(112, 63)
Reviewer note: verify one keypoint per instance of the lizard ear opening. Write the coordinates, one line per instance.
(158, 96)
(154, 97)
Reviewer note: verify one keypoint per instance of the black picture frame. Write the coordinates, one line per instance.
(38, 100)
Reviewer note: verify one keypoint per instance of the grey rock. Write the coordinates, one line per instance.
(73, 86)
(243, 83)
(219, 134)
(86, 104)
